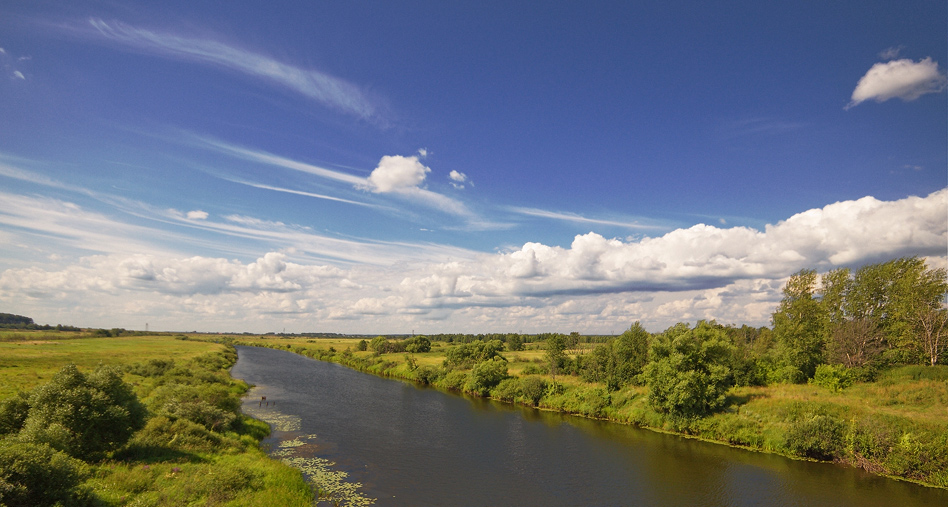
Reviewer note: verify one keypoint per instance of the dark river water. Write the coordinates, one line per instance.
(417, 446)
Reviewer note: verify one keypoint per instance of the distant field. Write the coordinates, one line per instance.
(37, 355)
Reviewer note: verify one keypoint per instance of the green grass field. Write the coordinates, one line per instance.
(33, 359)
(171, 461)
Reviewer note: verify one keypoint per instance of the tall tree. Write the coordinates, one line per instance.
(800, 326)
(555, 347)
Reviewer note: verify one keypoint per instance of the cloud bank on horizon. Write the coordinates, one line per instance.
(315, 171)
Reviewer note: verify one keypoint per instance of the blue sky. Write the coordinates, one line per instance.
(437, 167)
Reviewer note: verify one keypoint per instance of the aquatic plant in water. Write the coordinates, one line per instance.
(331, 485)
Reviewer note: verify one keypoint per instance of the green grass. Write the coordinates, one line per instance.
(29, 362)
(171, 461)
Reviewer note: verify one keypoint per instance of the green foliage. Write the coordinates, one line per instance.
(514, 342)
(13, 412)
(362, 346)
(83, 416)
(455, 380)
(417, 345)
(507, 390)
(619, 362)
(485, 376)
(151, 368)
(832, 377)
(36, 475)
(817, 436)
(533, 389)
(429, 374)
(688, 373)
(466, 355)
(801, 324)
(555, 353)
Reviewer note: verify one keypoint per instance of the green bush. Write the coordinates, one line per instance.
(817, 436)
(429, 374)
(507, 390)
(83, 416)
(36, 475)
(455, 380)
(688, 373)
(533, 389)
(151, 368)
(832, 377)
(13, 412)
(485, 376)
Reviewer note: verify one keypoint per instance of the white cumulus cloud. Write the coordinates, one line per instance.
(197, 215)
(904, 79)
(396, 173)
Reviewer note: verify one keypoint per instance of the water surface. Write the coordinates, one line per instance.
(412, 445)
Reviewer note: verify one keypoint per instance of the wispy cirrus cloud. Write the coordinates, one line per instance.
(329, 90)
(572, 217)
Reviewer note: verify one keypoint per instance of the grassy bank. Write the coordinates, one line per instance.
(195, 447)
(896, 426)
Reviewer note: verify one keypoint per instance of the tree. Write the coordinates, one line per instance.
(687, 373)
(855, 343)
(932, 326)
(894, 295)
(800, 327)
(362, 345)
(83, 416)
(555, 355)
(631, 353)
(486, 375)
(417, 345)
(514, 342)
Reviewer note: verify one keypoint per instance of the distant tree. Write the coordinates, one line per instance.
(418, 344)
(800, 327)
(687, 373)
(362, 346)
(533, 389)
(555, 355)
(379, 344)
(514, 342)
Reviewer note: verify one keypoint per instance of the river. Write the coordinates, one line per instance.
(417, 446)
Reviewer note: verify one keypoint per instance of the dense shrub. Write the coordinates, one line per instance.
(13, 412)
(417, 345)
(455, 380)
(428, 374)
(151, 368)
(83, 416)
(507, 390)
(818, 436)
(466, 355)
(533, 388)
(36, 475)
(688, 373)
(485, 376)
(832, 377)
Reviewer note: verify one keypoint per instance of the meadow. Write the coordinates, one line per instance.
(195, 447)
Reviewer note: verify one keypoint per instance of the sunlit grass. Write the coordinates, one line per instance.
(26, 364)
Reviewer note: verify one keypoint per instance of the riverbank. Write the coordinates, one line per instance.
(895, 427)
(195, 448)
